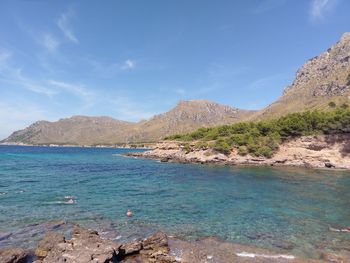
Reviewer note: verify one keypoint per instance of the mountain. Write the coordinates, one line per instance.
(187, 116)
(82, 130)
(321, 80)
(79, 130)
(321, 83)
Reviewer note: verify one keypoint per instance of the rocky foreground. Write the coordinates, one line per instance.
(321, 151)
(87, 246)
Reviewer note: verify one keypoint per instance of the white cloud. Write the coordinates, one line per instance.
(63, 23)
(319, 8)
(76, 89)
(128, 64)
(50, 42)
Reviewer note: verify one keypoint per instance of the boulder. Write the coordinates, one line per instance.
(156, 241)
(155, 249)
(13, 255)
(85, 246)
(130, 248)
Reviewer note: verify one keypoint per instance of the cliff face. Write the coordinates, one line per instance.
(82, 130)
(320, 80)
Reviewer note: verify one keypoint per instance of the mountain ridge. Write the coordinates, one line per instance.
(186, 116)
(322, 82)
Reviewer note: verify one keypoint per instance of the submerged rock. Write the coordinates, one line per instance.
(13, 255)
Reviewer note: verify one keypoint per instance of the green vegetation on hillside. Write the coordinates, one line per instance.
(263, 138)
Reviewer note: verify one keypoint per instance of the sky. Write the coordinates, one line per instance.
(133, 59)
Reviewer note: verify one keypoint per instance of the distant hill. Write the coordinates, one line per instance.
(321, 80)
(82, 130)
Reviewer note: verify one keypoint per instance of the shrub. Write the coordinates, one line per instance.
(344, 106)
(332, 104)
(265, 151)
(201, 145)
(186, 147)
(222, 146)
(242, 150)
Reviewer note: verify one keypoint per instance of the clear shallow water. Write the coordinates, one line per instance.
(272, 208)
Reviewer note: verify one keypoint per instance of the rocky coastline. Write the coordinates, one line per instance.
(319, 151)
(85, 245)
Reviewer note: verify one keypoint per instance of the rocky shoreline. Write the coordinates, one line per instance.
(86, 245)
(321, 151)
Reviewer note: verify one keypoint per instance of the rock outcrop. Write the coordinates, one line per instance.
(87, 246)
(13, 255)
(321, 151)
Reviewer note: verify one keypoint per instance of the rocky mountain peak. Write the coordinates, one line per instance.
(328, 73)
(345, 37)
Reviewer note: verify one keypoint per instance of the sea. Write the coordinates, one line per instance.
(294, 210)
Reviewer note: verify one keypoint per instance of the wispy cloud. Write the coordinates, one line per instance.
(127, 109)
(50, 42)
(14, 76)
(63, 23)
(267, 82)
(77, 89)
(128, 64)
(319, 9)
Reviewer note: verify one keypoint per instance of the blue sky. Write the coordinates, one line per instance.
(132, 59)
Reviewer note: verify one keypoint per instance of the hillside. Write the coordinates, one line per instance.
(321, 80)
(79, 130)
(187, 116)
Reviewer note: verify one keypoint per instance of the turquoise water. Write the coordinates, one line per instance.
(288, 209)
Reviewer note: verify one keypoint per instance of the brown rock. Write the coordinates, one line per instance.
(130, 248)
(50, 240)
(85, 246)
(155, 249)
(156, 241)
(13, 255)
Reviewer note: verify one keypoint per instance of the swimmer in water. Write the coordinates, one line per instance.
(70, 202)
(129, 213)
(347, 229)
